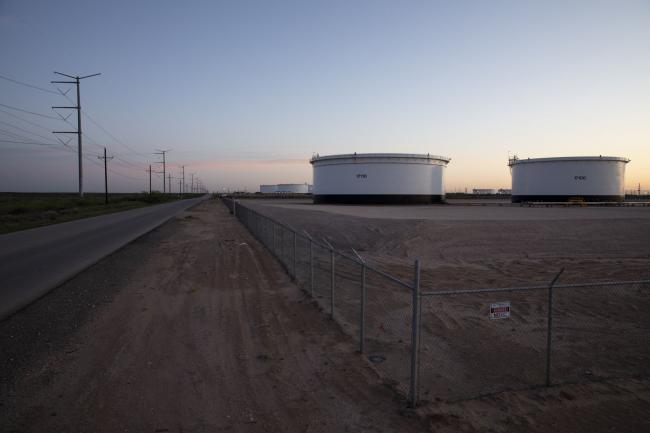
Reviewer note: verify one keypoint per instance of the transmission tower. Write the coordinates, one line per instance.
(78, 131)
(163, 162)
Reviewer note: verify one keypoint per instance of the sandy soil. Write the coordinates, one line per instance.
(482, 246)
(206, 334)
(599, 334)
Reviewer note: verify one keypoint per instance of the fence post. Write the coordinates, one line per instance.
(294, 257)
(549, 330)
(311, 267)
(415, 336)
(332, 283)
(362, 312)
(362, 309)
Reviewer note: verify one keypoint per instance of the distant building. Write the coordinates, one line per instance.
(484, 191)
(504, 191)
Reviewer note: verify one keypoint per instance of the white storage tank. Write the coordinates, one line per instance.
(268, 189)
(294, 188)
(375, 178)
(587, 178)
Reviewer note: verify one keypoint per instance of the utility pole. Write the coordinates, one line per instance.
(149, 179)
(183, 180)
(169, 176)
(78, 131)
(180, 187)
(105, 158)
(192, 183)
(163, 152)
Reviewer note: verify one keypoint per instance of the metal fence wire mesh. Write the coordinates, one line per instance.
(465, 353)
(600, 331)
(388, 329)
(460, 344)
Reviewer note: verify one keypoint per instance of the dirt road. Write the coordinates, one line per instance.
(192, 328)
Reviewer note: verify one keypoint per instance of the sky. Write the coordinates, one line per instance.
(245, 92)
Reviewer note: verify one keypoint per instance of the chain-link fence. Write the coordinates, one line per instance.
(461, 344)
(476, 342)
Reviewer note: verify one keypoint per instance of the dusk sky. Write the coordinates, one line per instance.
(245, 92)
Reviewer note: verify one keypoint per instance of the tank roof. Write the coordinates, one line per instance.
(426, 156)
(515, 160)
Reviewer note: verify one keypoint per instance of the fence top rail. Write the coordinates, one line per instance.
(390, 277)
(306, 236)
(540, 287)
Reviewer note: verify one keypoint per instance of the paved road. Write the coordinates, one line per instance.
(33, 262)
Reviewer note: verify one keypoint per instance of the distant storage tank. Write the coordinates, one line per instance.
(379, 178)
(295, 188)
(484, 191)
(268, 189)
(588, 178)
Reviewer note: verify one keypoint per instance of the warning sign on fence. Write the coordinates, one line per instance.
(500, 310)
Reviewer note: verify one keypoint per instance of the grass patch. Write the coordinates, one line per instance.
(21, 211)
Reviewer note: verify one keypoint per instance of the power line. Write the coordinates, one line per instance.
(99, 164)
(29, 142)
(13, 134)
(26, 121)
(111, 135)
(106, 131)
(123, 159)
(11, 137)
(25, 130)
(29, 112)
(28, 85)
(25, 140)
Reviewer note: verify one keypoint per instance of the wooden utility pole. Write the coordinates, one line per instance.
(78, 131)
(149, 179)
(169, 176)
(105, 158)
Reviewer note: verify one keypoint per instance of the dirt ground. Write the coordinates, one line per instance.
(194, 328)
(482, 246)
(600, 351)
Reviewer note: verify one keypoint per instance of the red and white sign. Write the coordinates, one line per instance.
(500, 310)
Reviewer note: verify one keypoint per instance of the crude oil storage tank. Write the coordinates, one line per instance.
(295, 188)
(375, 178)
(268, 189)
(584, 178)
